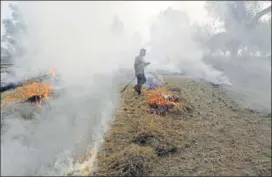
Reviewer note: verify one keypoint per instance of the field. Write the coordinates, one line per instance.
(212, 135)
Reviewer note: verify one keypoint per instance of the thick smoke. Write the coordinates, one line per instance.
(173, 48)
(75, 38)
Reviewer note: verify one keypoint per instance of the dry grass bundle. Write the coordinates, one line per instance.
(158, 143)
(35, 90)
(132, 161)
(162, 101)
(31, 91)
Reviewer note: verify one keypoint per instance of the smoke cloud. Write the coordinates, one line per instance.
(173, 49)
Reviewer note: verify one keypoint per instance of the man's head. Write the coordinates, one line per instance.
(142, 52)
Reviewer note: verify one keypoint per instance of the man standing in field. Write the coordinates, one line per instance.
(139, 66)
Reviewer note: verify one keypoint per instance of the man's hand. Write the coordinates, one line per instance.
(147, 63)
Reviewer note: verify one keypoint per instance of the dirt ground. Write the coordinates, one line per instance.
(212, 136)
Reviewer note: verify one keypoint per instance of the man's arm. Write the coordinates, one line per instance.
(146, 63)
(140, 63)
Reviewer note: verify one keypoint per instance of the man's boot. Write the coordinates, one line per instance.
(137, 88)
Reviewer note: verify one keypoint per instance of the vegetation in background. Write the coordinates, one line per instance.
(14, 29)
(243, 28)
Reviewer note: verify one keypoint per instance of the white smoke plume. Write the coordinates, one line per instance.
(173, 48)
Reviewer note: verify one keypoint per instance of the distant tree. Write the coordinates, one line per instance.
(14, 30)
(255, 20)
(204, 32)
(242, 26)
(237, 13)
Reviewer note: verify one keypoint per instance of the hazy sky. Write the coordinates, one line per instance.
(145, 11)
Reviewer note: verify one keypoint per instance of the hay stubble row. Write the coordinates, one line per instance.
(208, 137)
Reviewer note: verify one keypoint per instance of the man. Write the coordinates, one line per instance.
(139, 66)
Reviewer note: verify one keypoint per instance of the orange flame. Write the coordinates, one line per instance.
(161, 96)
(29, 90)
(33, 89)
